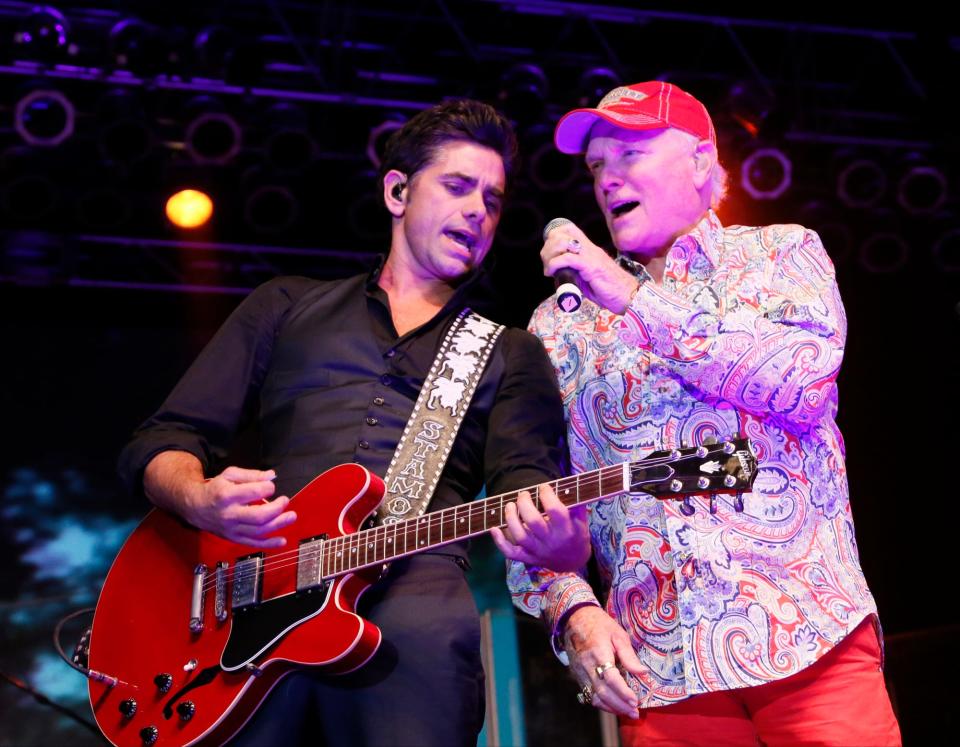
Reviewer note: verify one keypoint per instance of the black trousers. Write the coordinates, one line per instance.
(423, 688)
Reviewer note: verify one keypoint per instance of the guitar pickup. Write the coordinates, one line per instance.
(220, 592)
(247, 581)
(309, 567)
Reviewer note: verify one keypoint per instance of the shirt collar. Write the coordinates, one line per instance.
(706, 238)
(471, 292)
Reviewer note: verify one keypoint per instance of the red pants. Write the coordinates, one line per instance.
(840, 700)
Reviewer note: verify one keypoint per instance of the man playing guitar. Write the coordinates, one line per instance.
(329, 371)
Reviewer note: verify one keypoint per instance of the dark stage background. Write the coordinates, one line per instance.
(277, 109)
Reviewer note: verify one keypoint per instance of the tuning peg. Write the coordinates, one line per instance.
(738, 503)
(687, 508)
(713, 503)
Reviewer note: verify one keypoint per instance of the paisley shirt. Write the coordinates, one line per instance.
(744, 337)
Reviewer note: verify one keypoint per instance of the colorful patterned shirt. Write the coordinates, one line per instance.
(744, 337)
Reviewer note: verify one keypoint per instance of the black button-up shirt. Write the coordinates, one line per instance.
(320, 368)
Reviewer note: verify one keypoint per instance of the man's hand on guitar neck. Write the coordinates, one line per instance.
(232, 505)
(557, 539)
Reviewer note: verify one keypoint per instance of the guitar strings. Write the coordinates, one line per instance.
(332, 550)
(349, 544)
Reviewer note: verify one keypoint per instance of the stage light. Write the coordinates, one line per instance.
(124, 136)
(523, 92)
(221, 53)
(271, 208)
(366, 218)
(861, 183)
(212, 47)
(884, 252)
(289, 148)
(377, 139)
(44, 118)
(749, 105)
(922, 190)
(766, 174)
(189, 208)
(595, 83)
(138, 47)
(549, 169)
(44, 34)
(213, 136)
(835, 235)
(946, 251)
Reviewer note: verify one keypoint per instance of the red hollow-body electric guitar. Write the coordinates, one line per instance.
(192, 631)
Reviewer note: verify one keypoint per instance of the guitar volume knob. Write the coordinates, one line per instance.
(163, 682)
(149, 734)
(128, 707)
(186, 709)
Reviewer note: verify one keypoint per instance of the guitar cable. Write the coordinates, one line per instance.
(80, 652)
(83, 645)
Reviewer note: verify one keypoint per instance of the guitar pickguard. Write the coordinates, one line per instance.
(253, 630)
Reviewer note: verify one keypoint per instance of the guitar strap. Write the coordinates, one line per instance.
(428, 437)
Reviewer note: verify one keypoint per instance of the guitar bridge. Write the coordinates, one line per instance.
(196, 598)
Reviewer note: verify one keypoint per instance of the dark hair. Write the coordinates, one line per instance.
(411, 148)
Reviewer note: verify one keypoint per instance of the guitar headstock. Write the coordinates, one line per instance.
(723, 467)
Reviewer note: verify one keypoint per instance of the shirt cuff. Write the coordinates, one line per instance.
(564, 597)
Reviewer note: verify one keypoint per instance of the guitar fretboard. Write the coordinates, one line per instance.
(382, 544)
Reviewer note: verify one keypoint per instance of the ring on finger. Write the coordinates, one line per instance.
(601, 668)
(573, 246)
(585, 696)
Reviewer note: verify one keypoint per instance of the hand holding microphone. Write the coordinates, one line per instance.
(569, 296)
(591, 271)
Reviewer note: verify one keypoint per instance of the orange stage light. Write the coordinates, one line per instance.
(189, 208)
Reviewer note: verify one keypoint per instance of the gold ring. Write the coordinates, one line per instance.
(601, 668)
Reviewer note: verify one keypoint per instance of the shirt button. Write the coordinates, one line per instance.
(378, 400)
(386, 379)
(372, 421)
(391, 353)
(364, 444)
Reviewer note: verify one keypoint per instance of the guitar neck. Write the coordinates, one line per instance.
(388, 542)
(727, 467)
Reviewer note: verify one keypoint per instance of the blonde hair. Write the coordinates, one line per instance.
(719, 178)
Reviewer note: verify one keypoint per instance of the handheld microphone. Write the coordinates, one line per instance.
(569, 296)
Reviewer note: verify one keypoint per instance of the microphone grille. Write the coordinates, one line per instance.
(555, 223)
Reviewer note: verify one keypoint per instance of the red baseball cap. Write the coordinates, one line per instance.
(643, 106)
